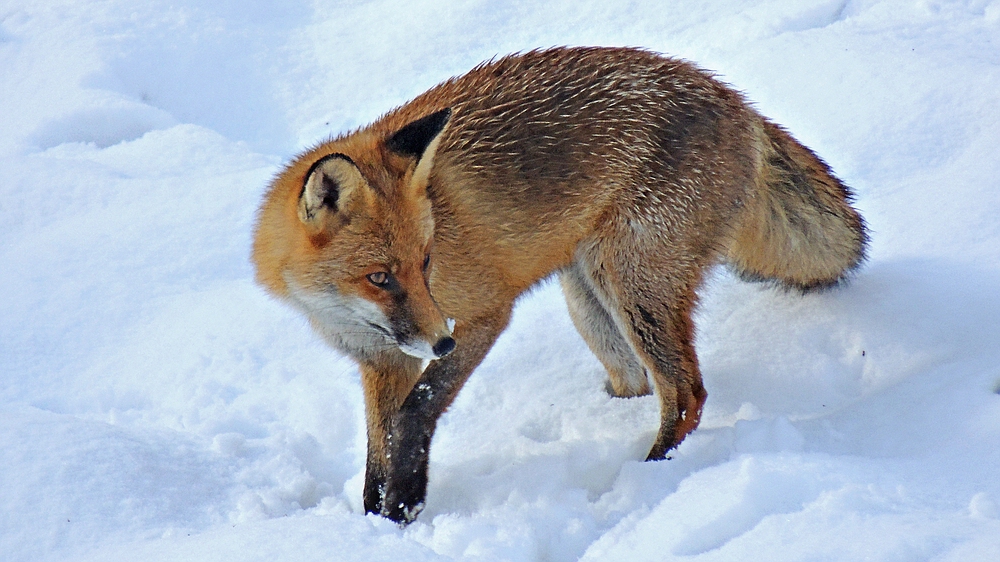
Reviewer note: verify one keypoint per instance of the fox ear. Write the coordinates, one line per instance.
(420, 140)
(414, 139)
(331, 185)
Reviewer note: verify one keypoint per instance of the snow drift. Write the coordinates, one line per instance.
(156, 405)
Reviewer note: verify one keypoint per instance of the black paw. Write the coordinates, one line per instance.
(401, 511)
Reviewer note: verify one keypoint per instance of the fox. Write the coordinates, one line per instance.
(625, 173)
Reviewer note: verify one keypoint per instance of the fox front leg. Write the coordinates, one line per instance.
(409, 442)
(412, 428)
(386, 381)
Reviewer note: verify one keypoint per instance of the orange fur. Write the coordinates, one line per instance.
(625, 172)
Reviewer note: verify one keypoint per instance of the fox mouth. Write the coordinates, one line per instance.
(419, 349)
(424, 350)
(414, 348)
(382, 331)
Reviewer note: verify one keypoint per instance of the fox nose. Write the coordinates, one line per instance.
(444, 346)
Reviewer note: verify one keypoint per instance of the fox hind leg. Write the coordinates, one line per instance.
(626, 375)
(650, 297)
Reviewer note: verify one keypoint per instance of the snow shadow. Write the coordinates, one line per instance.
(213, 65)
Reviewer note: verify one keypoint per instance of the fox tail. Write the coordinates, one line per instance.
(798, 228)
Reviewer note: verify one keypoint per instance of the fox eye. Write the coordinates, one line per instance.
(427, 261)
(379, 278)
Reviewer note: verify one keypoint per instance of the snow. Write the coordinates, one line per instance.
(156, 405)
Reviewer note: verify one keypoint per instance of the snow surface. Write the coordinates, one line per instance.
(155, 405)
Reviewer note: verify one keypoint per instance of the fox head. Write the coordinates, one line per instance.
(346, 234)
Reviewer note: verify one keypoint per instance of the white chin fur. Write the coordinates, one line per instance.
(420, 350)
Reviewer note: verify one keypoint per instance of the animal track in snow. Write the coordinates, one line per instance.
(757, 491)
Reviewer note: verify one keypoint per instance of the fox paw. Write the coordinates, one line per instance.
(626, 391)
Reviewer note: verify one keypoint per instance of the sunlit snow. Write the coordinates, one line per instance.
(156, 405)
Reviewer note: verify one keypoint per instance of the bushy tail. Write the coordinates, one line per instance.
(799, 228)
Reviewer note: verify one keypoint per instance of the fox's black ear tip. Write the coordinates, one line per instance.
(439, 118)
(414, 138)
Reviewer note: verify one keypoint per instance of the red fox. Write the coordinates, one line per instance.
(626, 173)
